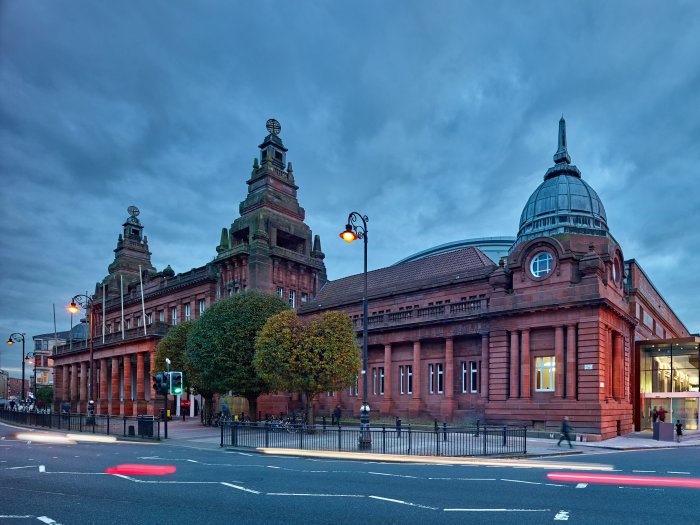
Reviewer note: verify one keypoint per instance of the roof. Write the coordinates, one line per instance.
(467, 263)
(493, 247)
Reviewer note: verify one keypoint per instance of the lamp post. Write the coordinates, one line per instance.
(85, 301)
(353, 231)
(16, 338)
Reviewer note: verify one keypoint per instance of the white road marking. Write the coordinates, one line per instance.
(562, 515)
(48, 520)
(676, 472)
(581, 485)
(401, 502)
(16, 468)
(392, 475)
(554, 485)
(238, 487)
(272, 466)
(497, 510)
(315, 495)
(464, 479)
(520, 481)
(42, 468)
(644, 471)
(2, 516)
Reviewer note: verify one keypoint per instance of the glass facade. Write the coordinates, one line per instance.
(669, 379)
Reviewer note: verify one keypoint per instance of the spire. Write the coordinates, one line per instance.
(562, 155)
(224, 244)
(316, 252)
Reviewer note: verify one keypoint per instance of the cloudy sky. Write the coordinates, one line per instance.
(436, 119)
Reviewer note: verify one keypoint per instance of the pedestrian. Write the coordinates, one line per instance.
(679, 430)
(565, 432)
(335, 417)
(654, 415)
(662, 414)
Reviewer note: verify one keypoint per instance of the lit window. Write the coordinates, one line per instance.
(381, 380)
(401, 380)
(431, 372)
(440, 376)
(541, 264)
(473, 377)
(409, 379)
(187, 312)
(544, 374)
(304, 298)
(292, 298)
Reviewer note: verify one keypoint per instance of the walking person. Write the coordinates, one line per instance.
(654, 415)
(335, 416)
(565, 432)
(662, 414)
(679, 430)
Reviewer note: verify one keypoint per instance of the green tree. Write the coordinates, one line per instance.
(174, 347)
(221, 345)
(311, 356)
(45, 395)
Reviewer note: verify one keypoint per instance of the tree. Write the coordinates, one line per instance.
(311, 356)
(45, 395)
(221, 345)
(174, 347)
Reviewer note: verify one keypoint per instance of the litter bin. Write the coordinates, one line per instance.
(145, 424)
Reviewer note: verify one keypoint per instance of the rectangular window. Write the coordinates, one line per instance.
(280, 291)
(355, 388)
(149, 318)
(409, 379)
(173, 315)
(202, 306)
(118, 326)
(187, 312)
(128, 324)
(473, 377)
(161, 316)
(544, 374)
(401, 380)
(374, 381)
(304, 297)
(431, 375)
(37, 344)
(464, 377)
(381, 380)
(440, 376)
(138, 321)
(292, 298)
(109, 328)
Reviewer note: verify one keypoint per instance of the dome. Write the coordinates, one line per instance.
(563, 203)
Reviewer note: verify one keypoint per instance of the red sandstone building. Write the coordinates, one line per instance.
(548, 331)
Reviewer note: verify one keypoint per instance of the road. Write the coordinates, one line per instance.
(67, 484)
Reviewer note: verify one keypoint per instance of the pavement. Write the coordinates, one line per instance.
(191, 433)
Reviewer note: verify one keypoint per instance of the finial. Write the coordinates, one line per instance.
(562, 155)
(255, 163)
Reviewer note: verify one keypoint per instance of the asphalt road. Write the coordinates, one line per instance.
(67, 484)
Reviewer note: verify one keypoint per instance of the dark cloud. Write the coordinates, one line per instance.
(438, 119)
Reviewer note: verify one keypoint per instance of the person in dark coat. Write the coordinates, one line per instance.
(335, 419)
(654, 415)
(679, 430)
(565, 432)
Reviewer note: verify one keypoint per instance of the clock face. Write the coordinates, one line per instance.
(273, 126)
(133, 211)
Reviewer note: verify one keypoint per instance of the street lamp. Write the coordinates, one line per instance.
(352, 232)
(16, 338)
(85, 301)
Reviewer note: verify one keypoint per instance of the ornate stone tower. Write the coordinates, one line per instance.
(268, 248)
(130, 253)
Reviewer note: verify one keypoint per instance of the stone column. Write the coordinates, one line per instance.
(484, 366)
(571, 361)
(514, 364)
(156, 401)
(58, 381)
(140, 394)
(66, 383)
(416, 403)
(447, 405)
(525, 366)
(114, 404)
(83, 385)
(127, 403)
(74, 385)
(559, 362)
(387, 379)
(608, 362)
(104, 387)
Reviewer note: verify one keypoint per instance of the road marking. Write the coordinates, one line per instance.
(48, 520)
(10, 517)
(16, 468)
(520, 481)
(497, 510)
(42, 468)
(676, 472)
(401, 502)
(643, 471)
(463, 479)
(581, 485)
(272, 466)
(562, 515)
(315, 495)
(238, 487)
(554, 485)
(392, 475)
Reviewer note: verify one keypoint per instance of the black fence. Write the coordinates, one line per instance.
(146, 427)
(438, 441)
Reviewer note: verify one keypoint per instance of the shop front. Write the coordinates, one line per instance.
(666, 379)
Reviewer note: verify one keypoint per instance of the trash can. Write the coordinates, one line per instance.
(145, 424)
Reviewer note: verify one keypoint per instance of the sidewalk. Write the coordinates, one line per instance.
(192, 433)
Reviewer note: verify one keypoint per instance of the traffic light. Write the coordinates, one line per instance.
(176, 383)
(160, 383)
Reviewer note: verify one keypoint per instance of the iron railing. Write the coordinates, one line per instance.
(146, 427)
(439, 441)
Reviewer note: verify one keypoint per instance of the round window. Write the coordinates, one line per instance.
(541, 264)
